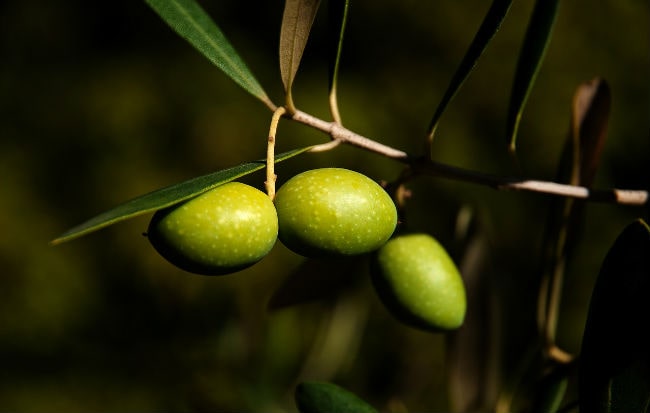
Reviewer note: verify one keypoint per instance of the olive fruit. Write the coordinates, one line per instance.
(419, 283)
(334, 211)
(224, 230)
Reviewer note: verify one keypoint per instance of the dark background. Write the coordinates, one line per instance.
(101, 102)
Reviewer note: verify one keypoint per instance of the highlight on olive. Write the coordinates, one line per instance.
(334, 211)
(221, 231)
(419, 283)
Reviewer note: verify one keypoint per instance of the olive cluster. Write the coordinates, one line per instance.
(318, 213)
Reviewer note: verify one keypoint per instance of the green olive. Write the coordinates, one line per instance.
(419, 283)
(224, 230)
(334, 211)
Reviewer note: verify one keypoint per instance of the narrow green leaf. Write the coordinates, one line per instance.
(323, 397)
(615, 357)
(532, 53)
(168, 196)
(491, 24)
(297, 20)
(338, 16)
(191, 22)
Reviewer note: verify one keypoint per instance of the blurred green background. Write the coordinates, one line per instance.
(102, 102)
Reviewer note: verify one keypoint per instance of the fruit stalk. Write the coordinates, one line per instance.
(271, 177)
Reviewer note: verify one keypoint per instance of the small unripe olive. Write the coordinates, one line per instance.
(334, 211)
(419, 283)
(224, 230)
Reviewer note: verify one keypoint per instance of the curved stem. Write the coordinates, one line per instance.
(334, 105)
(271, 177)
(290, 106)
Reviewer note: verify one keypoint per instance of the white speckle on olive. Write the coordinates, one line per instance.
(334, 211)
(419, 283)
(221, 231)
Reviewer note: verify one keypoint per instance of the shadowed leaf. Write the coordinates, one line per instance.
(191, 22)
(532, 53)
(580, 159)
(297, 20)
(591, 106)
(615, 355)
(590, 115)
(489, 27)
(472, 355)
(168, 196)
(550, 390)
(323, 397)
(587, 133)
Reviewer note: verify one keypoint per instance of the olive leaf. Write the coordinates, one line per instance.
(338, 16)
(615, 357)
(578, 165)
(168, 196)
(583, 148)
(190, 21)
(550, 390)
(297, 20)
(491, 24)
(591, 106)
(531, 56)
(472, 351)
(324, 397)
(587, 133)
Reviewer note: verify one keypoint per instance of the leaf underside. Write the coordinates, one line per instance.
(168, 196)
(297, 21)
(191, 22)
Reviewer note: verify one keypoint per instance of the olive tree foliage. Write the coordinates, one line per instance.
(613, 366)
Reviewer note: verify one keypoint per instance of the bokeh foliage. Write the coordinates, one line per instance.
(101, 103)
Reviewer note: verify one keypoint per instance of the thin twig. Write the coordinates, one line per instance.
(422, 165)
(338, 132)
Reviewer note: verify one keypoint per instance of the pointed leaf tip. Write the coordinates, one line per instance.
(297, 20)
(531, 56)
(191, 22)
(488, 29)
(168, 196)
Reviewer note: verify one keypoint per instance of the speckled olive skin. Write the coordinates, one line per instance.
(334, 211)
(221, 231)
(419, 283)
